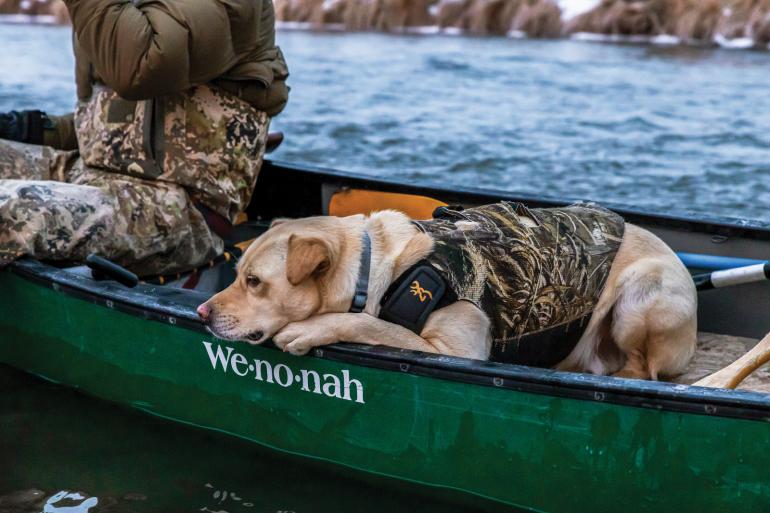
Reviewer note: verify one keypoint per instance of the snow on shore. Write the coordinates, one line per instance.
(573, 8)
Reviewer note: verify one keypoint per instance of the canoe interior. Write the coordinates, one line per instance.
(290, 191)
(730, 320)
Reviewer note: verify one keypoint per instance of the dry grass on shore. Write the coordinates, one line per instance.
(689, 20)
(535, 18)
(55, 8)
(384, 15)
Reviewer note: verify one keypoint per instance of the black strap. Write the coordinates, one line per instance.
(449, 212)
(543, 348)
(216, 222)
(413, 296)
(362, 285)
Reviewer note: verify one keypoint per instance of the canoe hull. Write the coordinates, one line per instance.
(530, 450)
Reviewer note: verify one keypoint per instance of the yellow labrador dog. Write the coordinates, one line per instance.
(296, 284)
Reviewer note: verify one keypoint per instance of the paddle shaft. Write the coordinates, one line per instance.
(730, 277)
(732, 375)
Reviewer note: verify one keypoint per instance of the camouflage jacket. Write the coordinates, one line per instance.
(204, 138)
(536, 273)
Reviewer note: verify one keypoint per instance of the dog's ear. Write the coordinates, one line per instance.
(307, 256)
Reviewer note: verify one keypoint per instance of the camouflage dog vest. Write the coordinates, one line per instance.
(205, 139)
(536, 273)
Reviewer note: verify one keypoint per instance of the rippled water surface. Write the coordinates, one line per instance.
(672, 129)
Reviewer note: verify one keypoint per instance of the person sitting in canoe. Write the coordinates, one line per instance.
(164, 148)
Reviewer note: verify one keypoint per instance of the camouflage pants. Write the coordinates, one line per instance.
(53, 207)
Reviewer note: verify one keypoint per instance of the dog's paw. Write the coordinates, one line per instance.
(298, 338)
(299, 347)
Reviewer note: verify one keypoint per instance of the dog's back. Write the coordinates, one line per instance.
(536, 273)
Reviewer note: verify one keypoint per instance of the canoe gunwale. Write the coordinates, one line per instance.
(177, 307)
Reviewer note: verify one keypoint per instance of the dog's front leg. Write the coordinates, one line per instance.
(299, 337)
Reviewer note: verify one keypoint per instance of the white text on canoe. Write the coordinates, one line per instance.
(280, 374)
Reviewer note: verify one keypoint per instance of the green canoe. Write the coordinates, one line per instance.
(532, 438)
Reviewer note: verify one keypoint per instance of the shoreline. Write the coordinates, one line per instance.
(719, 41)
(29, 19)
(729, 24)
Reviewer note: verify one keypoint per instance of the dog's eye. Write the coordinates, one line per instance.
(252, 281)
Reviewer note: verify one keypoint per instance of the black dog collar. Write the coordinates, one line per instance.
(410, 299)
(362, 285)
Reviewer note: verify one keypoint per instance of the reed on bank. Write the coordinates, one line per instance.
(699, 21)
(690, 21)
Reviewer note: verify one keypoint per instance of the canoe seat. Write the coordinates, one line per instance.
(348, 202)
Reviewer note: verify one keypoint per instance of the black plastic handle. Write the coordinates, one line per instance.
(103, 269)
(274, 140)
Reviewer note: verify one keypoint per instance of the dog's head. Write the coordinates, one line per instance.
(284, 276)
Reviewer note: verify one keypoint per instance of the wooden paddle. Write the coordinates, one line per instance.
(732, 375)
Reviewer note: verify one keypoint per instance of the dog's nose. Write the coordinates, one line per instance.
(204, 311)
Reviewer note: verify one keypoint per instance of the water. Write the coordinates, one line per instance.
(669, 129)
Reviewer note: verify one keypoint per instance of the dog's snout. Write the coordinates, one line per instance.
(204, 312)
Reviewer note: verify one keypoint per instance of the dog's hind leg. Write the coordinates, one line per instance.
(653, 320)
(629, 331)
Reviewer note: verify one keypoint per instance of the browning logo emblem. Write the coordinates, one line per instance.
(420, 292)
